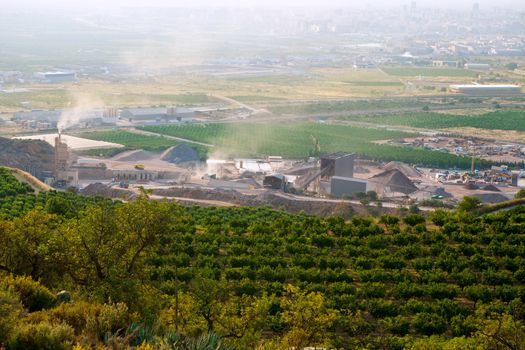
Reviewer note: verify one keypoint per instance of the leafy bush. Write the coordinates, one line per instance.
(10, 312)
(33, 295)
(414, 219)
(110, 319)
(429, 324)
(44, 336)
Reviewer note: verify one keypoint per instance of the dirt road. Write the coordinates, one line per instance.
(149, 133)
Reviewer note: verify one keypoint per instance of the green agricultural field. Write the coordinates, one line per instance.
(296, 140)
(341, 106)
(429, 72)
(500, 120)
(131, 140)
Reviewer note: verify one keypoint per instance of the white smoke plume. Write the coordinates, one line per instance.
(84, 106)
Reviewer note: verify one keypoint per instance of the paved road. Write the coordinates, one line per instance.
(234, 102)
(214, 203)
(327, 200)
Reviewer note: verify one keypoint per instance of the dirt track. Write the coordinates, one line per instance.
(276, 200)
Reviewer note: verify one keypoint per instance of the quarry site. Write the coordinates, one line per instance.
(337, 183)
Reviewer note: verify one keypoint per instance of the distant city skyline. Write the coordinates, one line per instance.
(81, 4)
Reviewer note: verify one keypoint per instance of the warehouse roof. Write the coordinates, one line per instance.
(479, 86)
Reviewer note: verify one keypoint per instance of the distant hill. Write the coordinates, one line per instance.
(32, 156)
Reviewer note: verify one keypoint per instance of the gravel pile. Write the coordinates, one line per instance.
(471, 187)
(491, 188)
(182, 153)
(99, 189)
(393, 181)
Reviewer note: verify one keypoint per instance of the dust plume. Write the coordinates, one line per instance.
(84, 106)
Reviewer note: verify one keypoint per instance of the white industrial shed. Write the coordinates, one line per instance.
(490, 90)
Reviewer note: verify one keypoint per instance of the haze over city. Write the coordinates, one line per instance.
(461, 4)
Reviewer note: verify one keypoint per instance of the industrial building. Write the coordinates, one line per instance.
(135, 175)
(42, 119)
(518, 179)
(63, 174)
(477, 66)
(50, 116)
(183, 115)
(486, 90)
(335, 176)
(338, 164)
(445, 64)
(344, 186)
(56, 77)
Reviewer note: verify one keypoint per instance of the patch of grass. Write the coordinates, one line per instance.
(45, 99)
(158, 98)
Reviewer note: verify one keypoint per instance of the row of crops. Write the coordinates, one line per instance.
(500, 120)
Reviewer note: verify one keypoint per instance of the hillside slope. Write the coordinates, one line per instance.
(34, 157)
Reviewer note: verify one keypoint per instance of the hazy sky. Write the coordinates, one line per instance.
(86, 4)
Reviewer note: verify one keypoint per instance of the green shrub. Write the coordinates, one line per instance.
(33, 295)
(414, 219)
(397, 325)
(469, 204)
(74, 314)
(110, 319)
(94, 320)
(429, 324)
(10, 312)
(44, 336)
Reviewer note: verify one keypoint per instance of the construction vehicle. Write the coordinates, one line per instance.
(139, 166)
